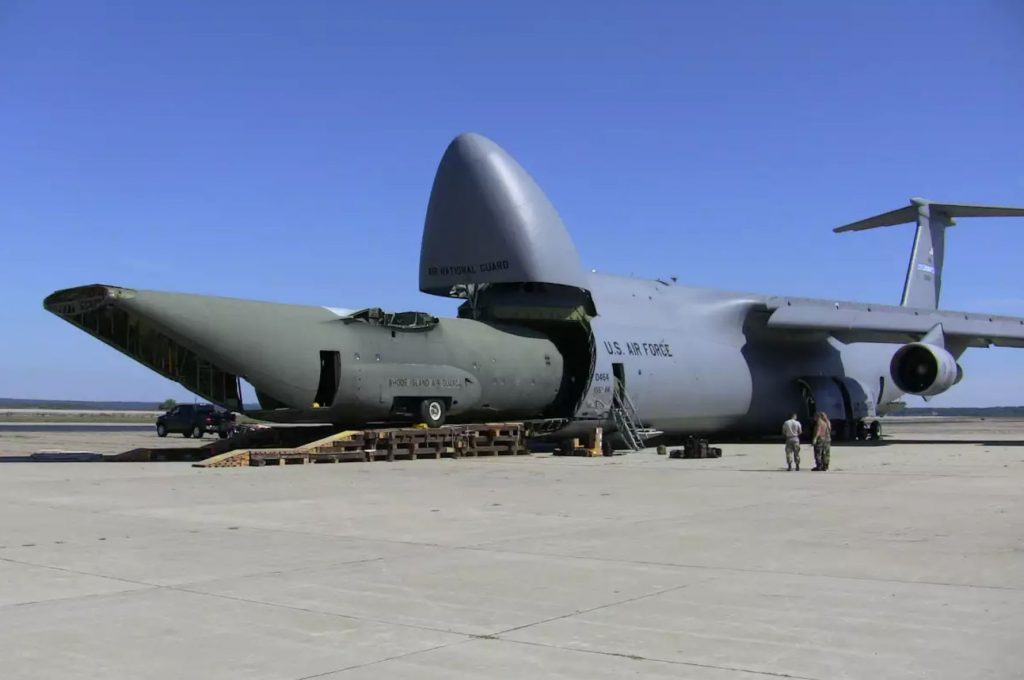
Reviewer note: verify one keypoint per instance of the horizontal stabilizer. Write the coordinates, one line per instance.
(924, 270)
(910, 213)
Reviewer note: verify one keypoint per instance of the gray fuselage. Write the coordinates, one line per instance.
(693, 361)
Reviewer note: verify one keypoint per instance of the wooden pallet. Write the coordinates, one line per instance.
(455, 441)
(227, 459)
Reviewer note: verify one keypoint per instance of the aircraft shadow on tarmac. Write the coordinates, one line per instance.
(976, 442)
(883, 442)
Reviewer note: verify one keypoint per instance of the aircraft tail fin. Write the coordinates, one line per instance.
(924, 271)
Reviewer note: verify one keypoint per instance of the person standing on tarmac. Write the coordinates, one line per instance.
(822, 440)
(791, 430)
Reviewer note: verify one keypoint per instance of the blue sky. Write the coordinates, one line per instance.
(249, 149)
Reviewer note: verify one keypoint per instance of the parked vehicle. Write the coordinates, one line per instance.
(195, 420)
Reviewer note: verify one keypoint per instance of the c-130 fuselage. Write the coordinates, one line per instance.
(537, 338)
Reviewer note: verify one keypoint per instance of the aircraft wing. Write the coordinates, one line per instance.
(858, 322)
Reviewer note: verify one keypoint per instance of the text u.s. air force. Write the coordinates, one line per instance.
(638, 349)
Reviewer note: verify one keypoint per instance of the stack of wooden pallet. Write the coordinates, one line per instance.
(454, 441)
(491, 439)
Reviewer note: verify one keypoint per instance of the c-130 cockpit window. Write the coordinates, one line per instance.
(410, 321)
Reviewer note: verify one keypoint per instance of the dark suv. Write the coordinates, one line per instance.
(195, 420)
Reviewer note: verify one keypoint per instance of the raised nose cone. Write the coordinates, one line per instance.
(489, 222)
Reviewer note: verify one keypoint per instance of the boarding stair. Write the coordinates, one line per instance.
(627, 421)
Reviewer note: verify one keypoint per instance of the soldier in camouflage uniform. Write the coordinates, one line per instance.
(791, 430)
(822, 441)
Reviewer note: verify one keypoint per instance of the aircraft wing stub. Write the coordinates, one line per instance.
(853, 322)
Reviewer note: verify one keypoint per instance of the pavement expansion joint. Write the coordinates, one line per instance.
(79, 572)
(356, 537)
(674, 662)
(74, 598)
(278, 572)
(599, 607)
(679, 565)
(404, 655)
(649, 520)
(186, 589)
(321, 612)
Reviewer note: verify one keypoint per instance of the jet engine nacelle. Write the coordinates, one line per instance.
(924, 369)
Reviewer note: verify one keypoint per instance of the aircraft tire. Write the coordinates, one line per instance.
(875, 430)
(432, 412)
(161, 430)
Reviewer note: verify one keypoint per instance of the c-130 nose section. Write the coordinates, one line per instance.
(489, 222)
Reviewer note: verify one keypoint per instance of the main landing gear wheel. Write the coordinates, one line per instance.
(875, 430)
(161, 430)
(432, 412)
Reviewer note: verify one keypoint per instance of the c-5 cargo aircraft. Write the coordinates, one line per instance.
(539, 338)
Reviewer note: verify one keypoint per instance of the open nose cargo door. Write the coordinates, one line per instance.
(489, 223)
(491, 236)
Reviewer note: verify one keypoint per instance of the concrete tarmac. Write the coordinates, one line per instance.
(906, 560)
(23, 439)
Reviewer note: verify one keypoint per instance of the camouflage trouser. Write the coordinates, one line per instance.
(822, 453)
(793, 452)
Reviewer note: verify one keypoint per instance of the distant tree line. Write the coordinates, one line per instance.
(964, 411)
(81, 405)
